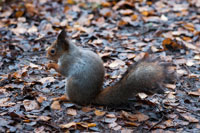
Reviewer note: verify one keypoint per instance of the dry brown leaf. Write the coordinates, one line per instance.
(140, 56)
(189, 117)
(131, 56)
(126, 11)
(47, 79)
(27, 121)
(99, 113)
(68, 125)
(55, 105)
(168, 123)
(61, 98)
(170, 86)
(106, 12)
(105, 4)
(72, 112)
(19, 14)
(87, 109)
(107, 54)
(110, 115)
(30, 9)
(129, 116)
(126, 131)
(16, 75)
(123, 3)
(40, 99)
(171, 95)
(115, 64)
(169, 44)
(44, 118)
(31, 105)
(122, 23)
(194, 93)
(117, 128)
(131, 124)
(142, 117)
(86, 125)
(4, 102)
(189, 26)
(181, 72)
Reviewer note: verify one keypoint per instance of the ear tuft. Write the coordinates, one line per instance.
(62, 34)
(62, 40)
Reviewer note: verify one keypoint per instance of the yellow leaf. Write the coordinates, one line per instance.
(122, 23)
(134, 17)
(92, 125)
(86, 125)
(145, 13)
(26, 121)
(185, 38)
(71, 2)
(99, 113)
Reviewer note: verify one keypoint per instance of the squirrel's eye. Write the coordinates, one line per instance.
(52, 51)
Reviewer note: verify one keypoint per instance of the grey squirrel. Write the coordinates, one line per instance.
(84, 72)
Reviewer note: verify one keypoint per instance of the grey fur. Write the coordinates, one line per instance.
(84, 72)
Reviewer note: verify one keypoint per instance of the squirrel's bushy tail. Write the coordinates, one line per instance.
(144, 76)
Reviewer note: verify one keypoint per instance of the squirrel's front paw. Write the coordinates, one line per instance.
(50, 65)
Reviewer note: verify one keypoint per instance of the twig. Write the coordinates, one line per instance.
(157, 123)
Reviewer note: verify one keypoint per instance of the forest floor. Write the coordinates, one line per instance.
(122, 32)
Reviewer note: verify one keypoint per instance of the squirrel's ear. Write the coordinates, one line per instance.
(62, 40)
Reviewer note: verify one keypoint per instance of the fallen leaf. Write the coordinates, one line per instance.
(194, 93)
(126, 12)
(86, 125)
(99, 113)
(87, 109)
(170, 86)
(72, 112)
(110, 115)
(47, 80)
(41, 99)
(44, 118)
(189, 117)
(30, 105)
(68, 125)
(131, 124)
(55, 105)
(116, 64)
(142, 95)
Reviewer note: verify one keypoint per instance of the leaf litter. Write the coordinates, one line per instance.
(122, 32)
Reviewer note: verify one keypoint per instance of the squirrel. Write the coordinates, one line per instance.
(84, 72)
